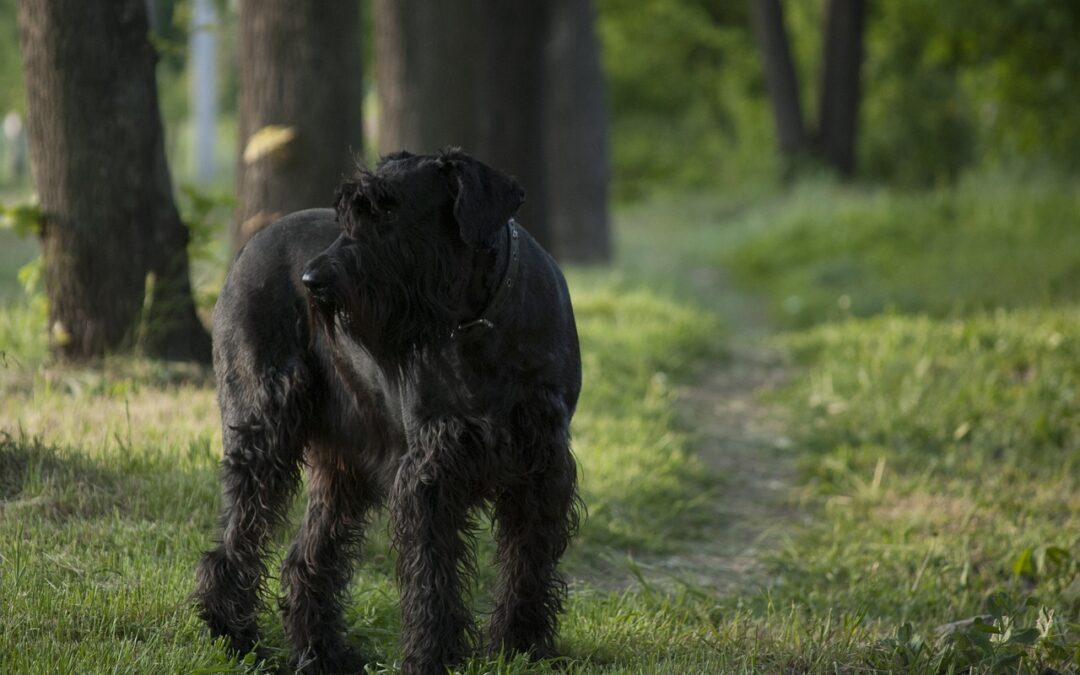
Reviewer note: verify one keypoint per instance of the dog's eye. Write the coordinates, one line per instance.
(384, 226)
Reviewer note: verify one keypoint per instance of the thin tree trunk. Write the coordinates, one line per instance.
(299, 72)
(768, 20)
(204, 95)
(576, 141)
(838, 119)
(109, 222)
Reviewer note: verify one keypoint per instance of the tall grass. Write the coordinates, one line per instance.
(826, 252)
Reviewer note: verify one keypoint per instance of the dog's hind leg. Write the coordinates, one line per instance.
(317, 569)
(263, 443)
(535, 517)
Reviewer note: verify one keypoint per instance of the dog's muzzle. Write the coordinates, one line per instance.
(318, 280)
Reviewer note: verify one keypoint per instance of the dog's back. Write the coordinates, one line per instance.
(263, 295)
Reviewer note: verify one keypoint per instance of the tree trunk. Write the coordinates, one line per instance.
(116, 265)
(838, 120)
(202, 48)
(513, 104)
(300, 103)
(576, 141)
(429, 56)
(468, 73)
(768, 20)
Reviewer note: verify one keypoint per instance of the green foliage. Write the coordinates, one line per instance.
(1032, 86)
(946, 86)
(685, 93)
(949, 84)
(919, 122)
(995, 642)
(206, 215)
(12, 93)
(22, 218)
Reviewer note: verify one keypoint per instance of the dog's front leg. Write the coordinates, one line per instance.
(535, 517)
(430, 506)
(315, 573)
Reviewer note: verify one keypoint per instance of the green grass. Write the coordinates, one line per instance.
(109, 494)
(826, 252)
(934, 422)
(939, 441)
(943, 461)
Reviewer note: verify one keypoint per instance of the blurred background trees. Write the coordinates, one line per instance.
(298, 119)
(516, 84)
(581, 100)
(834, 139)
(114, 249)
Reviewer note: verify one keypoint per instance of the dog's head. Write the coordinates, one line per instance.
(412, 234)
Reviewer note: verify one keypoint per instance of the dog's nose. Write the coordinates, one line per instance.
(315, 279)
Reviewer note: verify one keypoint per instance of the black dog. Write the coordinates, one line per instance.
(416, 347)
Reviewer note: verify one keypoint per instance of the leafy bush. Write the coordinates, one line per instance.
(686, 98)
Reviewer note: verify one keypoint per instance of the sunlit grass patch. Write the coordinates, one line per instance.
(943, 458)
(636, 460)
(826, 252)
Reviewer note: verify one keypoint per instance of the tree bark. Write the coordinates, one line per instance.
(468, 73)
(768, 19)
(429, 57)
(840, 89)
(576, 136)
(116, 266)
(299, 71)
(513, 104)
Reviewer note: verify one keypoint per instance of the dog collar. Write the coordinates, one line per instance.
(506, 284)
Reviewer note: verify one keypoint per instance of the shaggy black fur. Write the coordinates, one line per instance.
(339, 345)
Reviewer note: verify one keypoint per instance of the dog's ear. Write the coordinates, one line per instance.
(485, 199)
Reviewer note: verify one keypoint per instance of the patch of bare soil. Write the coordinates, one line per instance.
(742, 442)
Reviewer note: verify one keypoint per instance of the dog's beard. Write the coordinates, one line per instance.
(323, 313)
(348, 315)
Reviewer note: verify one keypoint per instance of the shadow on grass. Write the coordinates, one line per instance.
(46, 482)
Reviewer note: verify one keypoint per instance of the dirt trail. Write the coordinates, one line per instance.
(743, 441)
